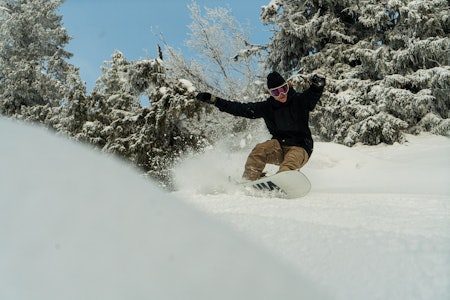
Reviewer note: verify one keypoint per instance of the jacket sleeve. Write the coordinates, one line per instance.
(252, 110)
(312, 96)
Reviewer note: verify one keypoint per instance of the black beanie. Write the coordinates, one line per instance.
(274, 80)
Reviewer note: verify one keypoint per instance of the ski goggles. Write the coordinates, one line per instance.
(277, 91)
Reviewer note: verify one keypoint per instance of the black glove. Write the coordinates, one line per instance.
(318, 81)
(206, 97)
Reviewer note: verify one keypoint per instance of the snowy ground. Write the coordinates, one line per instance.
(375, 226)
(75, 224)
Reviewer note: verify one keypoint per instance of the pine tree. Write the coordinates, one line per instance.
(387, 64)
(114, 85)
(33, 63)
(153, 137)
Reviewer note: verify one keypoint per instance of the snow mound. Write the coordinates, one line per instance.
(75, 224)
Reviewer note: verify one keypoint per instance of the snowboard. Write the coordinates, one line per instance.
(288, 184)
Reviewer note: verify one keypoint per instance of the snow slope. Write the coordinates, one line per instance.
(75, 224)
(376, 224)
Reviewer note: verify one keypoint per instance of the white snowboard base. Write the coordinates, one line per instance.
(288, 184)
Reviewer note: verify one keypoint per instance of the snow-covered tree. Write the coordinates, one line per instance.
(223, 62)
(387, 63)
(34, 70)
(114, 84)
(153, 137)
(219, 64)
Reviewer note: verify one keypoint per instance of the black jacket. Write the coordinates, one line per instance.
(287, 122)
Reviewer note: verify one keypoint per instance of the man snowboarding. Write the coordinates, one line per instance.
(286, 114)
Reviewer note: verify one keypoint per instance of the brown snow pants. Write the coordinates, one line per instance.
(271, 152)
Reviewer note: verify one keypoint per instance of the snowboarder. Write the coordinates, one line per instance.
(286, 114)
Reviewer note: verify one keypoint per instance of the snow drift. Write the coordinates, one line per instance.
(75, 224)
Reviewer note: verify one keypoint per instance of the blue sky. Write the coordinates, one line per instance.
(99, 27)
